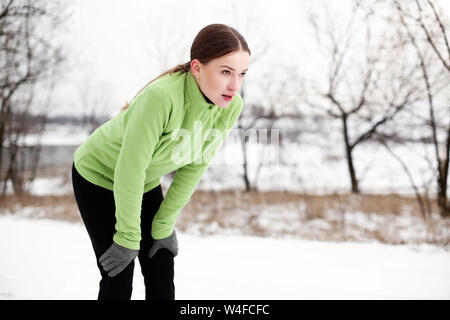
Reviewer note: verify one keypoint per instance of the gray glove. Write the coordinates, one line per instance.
(170, 243)
(116, 258)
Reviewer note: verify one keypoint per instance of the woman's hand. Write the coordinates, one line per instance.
(170, 243)
(117, 258)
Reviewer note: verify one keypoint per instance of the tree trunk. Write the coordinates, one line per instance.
(244, 154)
(442, 187)
(349, 156)
(442, 197)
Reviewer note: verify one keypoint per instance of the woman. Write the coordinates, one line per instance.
(116, 171)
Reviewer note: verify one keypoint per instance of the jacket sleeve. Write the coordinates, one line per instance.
(144, 123)
(183, 186)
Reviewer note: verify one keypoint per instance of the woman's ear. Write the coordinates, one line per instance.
(195, 68)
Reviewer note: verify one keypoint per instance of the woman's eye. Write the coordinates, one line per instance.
(243, 74)
(225, 71)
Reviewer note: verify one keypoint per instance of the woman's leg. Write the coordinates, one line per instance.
(158, 271)
(97, 208)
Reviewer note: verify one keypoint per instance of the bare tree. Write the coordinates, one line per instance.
(273, 102)
(277, 103)
(426, 28)
(437, 39)
(27, 59)
(369, 80)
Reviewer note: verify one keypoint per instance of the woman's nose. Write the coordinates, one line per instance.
(233, 84)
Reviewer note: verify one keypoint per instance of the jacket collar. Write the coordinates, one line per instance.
(193, 94)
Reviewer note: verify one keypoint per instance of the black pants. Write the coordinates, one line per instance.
(97, 208)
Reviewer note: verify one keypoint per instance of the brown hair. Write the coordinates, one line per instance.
(213, 41)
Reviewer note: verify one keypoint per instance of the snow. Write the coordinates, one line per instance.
(48, 259)
(46, 186)
(55, 134)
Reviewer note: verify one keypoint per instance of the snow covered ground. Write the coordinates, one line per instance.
(47, 259)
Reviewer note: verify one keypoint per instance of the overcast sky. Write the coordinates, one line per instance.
(112, 41)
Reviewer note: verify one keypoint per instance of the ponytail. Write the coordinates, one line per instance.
(185, 67)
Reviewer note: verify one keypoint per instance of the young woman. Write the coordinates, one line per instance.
(175, 123)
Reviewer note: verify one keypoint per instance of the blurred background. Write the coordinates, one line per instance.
(353, 95)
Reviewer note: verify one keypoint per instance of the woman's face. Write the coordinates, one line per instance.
(221, 77)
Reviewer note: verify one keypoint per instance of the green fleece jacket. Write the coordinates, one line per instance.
(169, 126)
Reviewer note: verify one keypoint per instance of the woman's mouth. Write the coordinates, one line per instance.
(227, 98)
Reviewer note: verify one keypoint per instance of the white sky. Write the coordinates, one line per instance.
(111, 41)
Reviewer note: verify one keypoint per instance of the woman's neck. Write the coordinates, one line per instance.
(206, 98)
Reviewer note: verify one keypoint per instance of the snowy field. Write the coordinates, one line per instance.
(47, 259)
